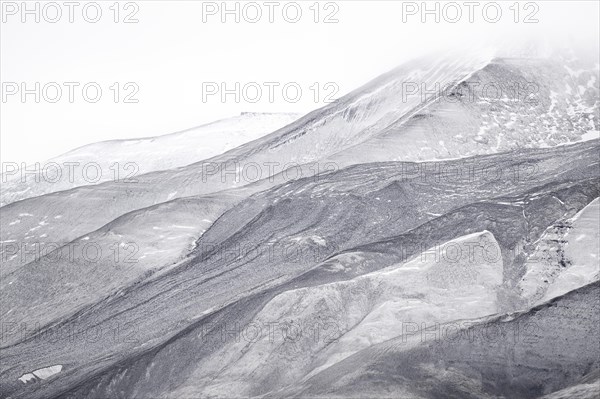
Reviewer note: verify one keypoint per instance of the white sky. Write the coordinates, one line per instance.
(170, 52)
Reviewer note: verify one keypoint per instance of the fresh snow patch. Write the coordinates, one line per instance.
(42, 373)
(25, 378)
(313, 238)
(591, 135)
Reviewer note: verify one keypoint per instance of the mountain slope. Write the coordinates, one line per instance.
(127, 159)
(508, 104)
(377, 122)
(241, 262)
(529, 354)
(351, 119)
(390, 199)
(242, 247)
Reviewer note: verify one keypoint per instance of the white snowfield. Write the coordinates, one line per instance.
(126, 159)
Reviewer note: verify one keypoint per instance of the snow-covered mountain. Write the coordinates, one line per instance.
(378, 122)
(324, 284)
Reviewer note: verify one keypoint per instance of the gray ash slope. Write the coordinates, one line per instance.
(238, 265)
